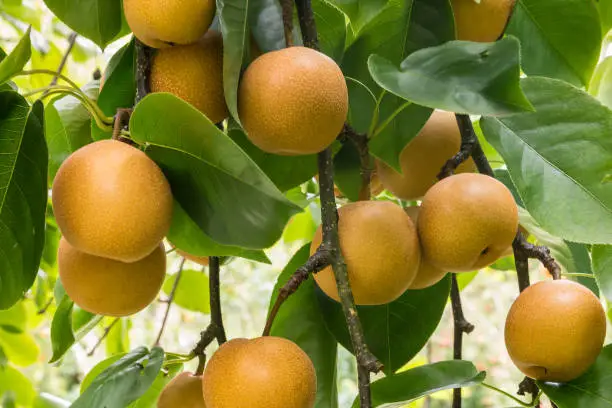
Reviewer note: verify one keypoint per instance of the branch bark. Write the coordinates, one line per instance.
(143, 69)
(104, 336)
(461, 325)
(71, 41)
(360, 141)
(287, 6)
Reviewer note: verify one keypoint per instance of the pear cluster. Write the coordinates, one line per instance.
(265, 372)
(113, 206)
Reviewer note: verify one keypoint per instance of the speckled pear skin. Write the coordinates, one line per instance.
(110, 288)
(555, 330)
(193, 73)
(481, 22)
(293, 101)
(184, 391)
(466, 222)
(381, 249)
(163, 23)
(265, 372)
(111, 200)
(423, 157)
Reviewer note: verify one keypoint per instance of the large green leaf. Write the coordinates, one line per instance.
(187, 236)
(331, 27)
(459, 76)
(397, 331)
(398, 390)
(402, 27)
(20, 348)
(605, 14)
(98, 20)
(233, 18)
(347, 171)
(11, 380)
(360, 12)
(215, 182)
(593, 389)
(192, 292)
(124, 381)
(68, 326)
(17, 59)
(549, 44)
(601, 256)
(601, 82)
(149, 398)
(558, 157)
(300, 321)
(67, 127)
(23, 195)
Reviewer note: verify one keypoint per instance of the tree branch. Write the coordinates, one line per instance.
(461, 325)
(104, 336)
(360, 141)
(169, 302)
(71, 41)
(143, 69)
(287, 6)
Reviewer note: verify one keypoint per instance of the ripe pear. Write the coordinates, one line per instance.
(482, 21)
(162, 23)
(555, 330)
(111, 200)
(110, 288)
(427, 275)
(381, 250)
(184, 391)
(293, 101)
(193, 73)
(466, 222)
(265, 372)
(423, 158)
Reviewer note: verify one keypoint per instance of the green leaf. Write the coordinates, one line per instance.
(540, 151)
(216, 183)
(20, 348)
(118, 339)
(360, 12)
(149, 398)
(98, 20)
(233, 23)
(300, 321)
(124, 381)
(66, 329)
(397, 331)
(187, 236)
(14, 381)
(605, 14)
(23, 195)
(192, 293)
(22, 12)
(15, 316)
(362, 105)
(592, 389)
(17, 59)
(400, 389)
(549, 44)
(347, 169)
(98, 369)
(285, 172)
(331, 27)
(602, 268)
(601, 82)
(67, 127)
(459, 76)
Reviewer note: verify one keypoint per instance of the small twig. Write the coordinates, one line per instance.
(468, 142)
(104, 336)
(71, 41)
(525, 249)
(360, 141)
(317, 262)
(287, 6)
(461, 325)
(143, 69)
(169, 303)
(46, 307)
(307, 24)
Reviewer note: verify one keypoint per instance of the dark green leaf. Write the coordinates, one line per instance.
(593, 389)
(300, 321)
(395, 332)
(362, 105)
(215, 182)
(459, 76)
(400, 389)
(549, 44)
(566, 195)
(285, 171)
(605, 14)
(360, 12)
(331, 27)
(347, 167)
(98, 20)
(23, 194)
(9, 328)
(97, 369)
(192, 292)
(17, 59)
(187, 236)
(149, 398)
(124, 381)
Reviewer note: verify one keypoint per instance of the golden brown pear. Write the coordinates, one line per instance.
(184, 391)
(466, 222)
(381, 250)
(423, 158)
(482, 21)
(193, 73)
(555, 330)
(427, 275)
(265, 372)
(110, 288)
(293, 101)
(111, 200)
(162, 23)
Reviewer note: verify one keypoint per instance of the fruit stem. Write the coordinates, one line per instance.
(179, 274)
(56, 75)
(512, 397)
